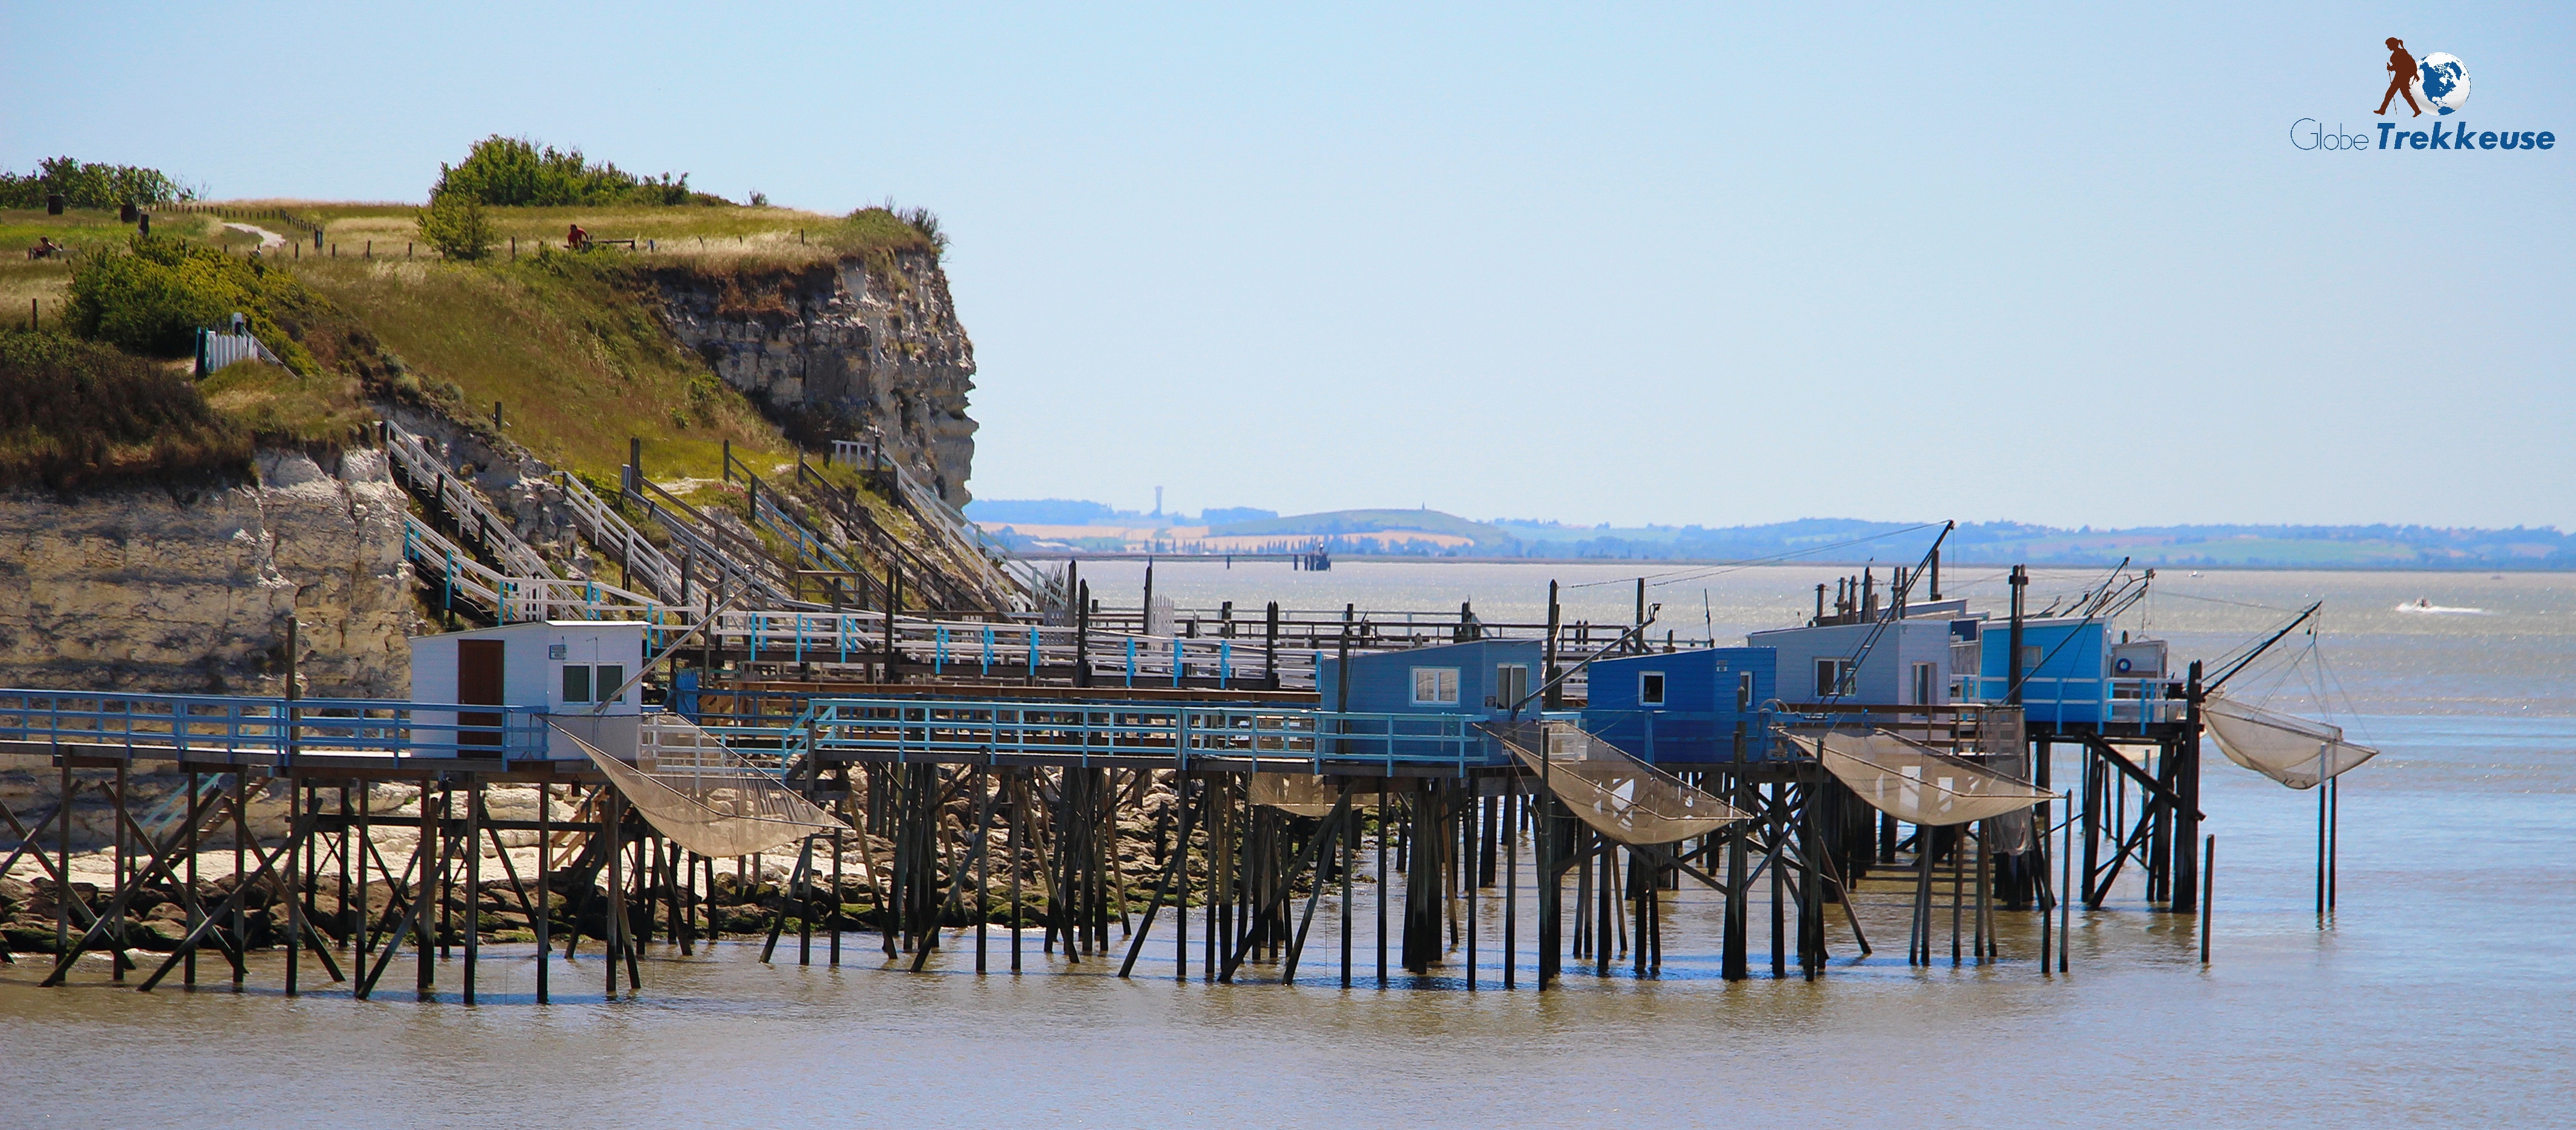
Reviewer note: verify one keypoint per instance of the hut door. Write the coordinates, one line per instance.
(478, 681)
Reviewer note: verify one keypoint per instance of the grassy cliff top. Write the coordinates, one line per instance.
(569, 345)
(708, 237)
(722, 236)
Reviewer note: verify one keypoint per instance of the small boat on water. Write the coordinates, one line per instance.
(2425, 606)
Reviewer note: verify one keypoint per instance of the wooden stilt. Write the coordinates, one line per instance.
(543, 919)
(612, 834)
(1385, 813)
(1735, 965)
(188, 892)
(473, 880)
(125, 864)
(1779, 882)
(1510, 841)
(1349, 845)
(425, 924)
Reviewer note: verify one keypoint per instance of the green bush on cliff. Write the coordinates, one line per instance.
(73, 411)
(89, 185)
(884, 227)
(153, 298)
(515, 172)
(455, 224)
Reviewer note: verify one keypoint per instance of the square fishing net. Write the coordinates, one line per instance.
(2294, 751)
(1619, 796)
(1919, 784)
(711, 800)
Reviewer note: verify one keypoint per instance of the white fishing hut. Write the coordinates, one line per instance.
(549, 672)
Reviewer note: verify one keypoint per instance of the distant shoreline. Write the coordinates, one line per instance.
(1694, 562)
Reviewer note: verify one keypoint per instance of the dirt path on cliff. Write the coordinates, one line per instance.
(267, 238)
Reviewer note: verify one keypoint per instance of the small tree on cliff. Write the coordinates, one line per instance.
(456, 226)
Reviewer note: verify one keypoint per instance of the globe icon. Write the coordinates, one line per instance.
(2446, 82)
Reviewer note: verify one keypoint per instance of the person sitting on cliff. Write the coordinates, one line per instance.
(578, 240)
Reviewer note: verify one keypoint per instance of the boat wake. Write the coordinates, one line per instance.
(2428, 608)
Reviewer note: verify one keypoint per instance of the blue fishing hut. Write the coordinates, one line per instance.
(2074, 673)
(1482, 678)
(1703, 706)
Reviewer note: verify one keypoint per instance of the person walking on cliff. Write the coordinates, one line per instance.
(2401, 78)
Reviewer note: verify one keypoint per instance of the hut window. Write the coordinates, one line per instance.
(1743, 693)
(1511, 685)
(576, 683)
(1923, 684)
(1435, 686)
(611, 676)
(1650, 688)
(1835, 677)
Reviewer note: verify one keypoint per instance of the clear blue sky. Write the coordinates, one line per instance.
(2053, 263)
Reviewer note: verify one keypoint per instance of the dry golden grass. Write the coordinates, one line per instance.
(75, 412)
(85, 231)
(572, 348)
(281, 409)
(717, 237)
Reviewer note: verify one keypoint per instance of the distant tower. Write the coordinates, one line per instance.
(1158, 502)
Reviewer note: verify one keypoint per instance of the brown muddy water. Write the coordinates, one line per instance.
(2440, 993)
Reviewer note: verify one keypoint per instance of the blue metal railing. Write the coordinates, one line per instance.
(1687, 736)
(2057, 700)
(1075, 733)
(233, 727)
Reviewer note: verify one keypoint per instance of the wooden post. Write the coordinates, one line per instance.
(1554, 698)
(1384, 811)
(2047, 911)
(2334, 832)
(2186, 780)
(1349, 837)
(1545, 851)
(894, 605)
(1019, 795)
(446, 873)
(1779, 883)
(473, 879)
(423, 941)
(613, 841)
(2066, 880)
(1214, 796)
(1270, 648)
(1465, 836)
(1082, 635)
(1511, 842)
(2208, 869)
(1734, 966)
(188, 893)
(545, 886)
